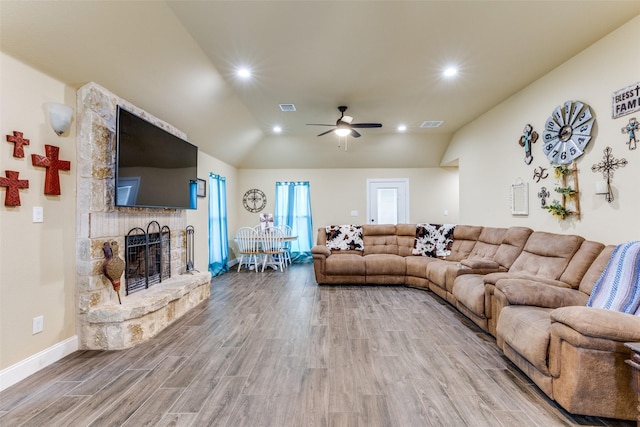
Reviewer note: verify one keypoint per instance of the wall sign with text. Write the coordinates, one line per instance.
(625, 101)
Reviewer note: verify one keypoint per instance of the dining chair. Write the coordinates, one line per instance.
(286, 230)
(273, 248)
(249, 246)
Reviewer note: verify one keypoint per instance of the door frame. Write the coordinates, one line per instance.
(399, 182)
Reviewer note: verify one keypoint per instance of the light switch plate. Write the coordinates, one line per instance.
(354, 213)
(38, 214)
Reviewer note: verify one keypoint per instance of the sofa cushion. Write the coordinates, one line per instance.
(580, 262)
(527, 330)
(417, 265)
(595, 270)
(546, 254)
(433, 240)
(464, 239)
(511, 246)
(380, 239)
(344, 237)
(468, 290)
(442, 273)
(344, 264)
(384, 265)
(488, 243)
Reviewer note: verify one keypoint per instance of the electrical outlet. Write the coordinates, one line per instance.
(38, 324)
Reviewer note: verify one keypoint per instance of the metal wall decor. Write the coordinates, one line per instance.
(13, 184)
(543, 195)
(632, 129)
(19, 143)
(529, 136)
(607, 166)
(540, 173)
(53, 165)
(567, 132)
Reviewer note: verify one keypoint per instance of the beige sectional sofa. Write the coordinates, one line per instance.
(527, 288)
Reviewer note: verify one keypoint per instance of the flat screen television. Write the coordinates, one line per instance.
(154, 169)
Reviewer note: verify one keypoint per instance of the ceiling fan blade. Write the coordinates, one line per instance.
(324, 133)
(366, 125)
(318, 124)
(355, 133)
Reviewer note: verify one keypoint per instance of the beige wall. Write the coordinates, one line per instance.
(37, 260)
(199, 217)
(490, 158)
(337, 192)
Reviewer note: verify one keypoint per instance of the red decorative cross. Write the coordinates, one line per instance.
(53, 165)
(13, 184)
(19, 141)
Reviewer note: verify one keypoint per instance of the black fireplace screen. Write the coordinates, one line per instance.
(148, 256)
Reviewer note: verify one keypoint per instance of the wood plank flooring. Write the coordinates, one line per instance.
(276, 349)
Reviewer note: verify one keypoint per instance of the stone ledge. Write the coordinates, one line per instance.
(148, 301)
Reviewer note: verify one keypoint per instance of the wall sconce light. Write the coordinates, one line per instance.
(59, 117)
(601, 187)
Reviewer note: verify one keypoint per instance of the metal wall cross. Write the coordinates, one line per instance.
(607, 166)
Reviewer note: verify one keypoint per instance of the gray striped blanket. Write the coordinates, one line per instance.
(618, 288)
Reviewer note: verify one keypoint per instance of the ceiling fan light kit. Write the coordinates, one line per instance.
(344, 127)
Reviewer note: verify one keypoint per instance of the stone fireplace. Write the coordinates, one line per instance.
(103, 323)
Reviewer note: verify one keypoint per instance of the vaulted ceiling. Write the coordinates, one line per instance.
(383, 59)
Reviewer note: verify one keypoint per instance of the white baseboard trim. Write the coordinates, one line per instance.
(21, 370)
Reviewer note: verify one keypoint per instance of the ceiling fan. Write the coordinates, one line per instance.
(344, 127)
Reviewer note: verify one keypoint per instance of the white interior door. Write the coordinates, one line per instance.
(388, 201)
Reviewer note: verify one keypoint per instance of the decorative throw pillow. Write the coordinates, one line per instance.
(345, 237)
(618, 287)
(433, 240)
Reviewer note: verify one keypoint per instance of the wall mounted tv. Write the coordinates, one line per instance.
(154, 169)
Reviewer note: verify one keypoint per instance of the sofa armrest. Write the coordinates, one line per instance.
(599, 323)
(533, 293)
(321, 250)
(482, 264)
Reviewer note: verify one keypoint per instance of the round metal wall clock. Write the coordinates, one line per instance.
(254, 200)
(567, 132)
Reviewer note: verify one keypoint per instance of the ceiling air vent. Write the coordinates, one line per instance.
(287, 107)
(431, 123)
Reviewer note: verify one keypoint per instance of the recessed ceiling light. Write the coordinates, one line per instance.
(277, 129)
(450, 72)
(244, 73)
(402, 128)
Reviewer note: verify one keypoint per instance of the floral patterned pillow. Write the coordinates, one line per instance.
(345, 237)
(433, 240)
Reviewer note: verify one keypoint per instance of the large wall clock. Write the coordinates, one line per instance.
(254, 200)
(567, 132)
